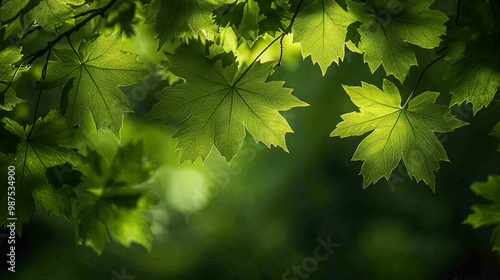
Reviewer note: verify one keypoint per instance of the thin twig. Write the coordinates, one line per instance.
(420, 79)
(281, 50)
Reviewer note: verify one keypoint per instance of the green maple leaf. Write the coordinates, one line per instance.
(321, 28)
(475, 78)
(172, 19)
(487, 214)
(110, 202)
(214, 107)
(11, 8)
(93, 77)
(397, 133)
(38, 150)
(387, 27)
(8, 56)
(53, 13)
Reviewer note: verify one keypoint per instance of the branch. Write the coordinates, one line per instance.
(280, 37)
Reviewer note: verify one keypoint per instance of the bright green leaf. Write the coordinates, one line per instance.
(96, 74)
(396, 133)
(214, 107)
(321, 28)
(388, 26)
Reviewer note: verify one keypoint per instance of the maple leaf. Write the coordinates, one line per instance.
(487, 214)
(110, 203)
(38, 150)
(321, 28)
(397, 133)
(214, 106)
(93, 76)
(475, 78)
(387, 28)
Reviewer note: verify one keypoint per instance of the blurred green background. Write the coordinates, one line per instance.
(264, 214)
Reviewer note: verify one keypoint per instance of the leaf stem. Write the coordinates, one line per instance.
(420, 79)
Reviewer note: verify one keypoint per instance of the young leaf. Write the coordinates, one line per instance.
(214, 106)
(388, 26)
(487, 214)
(109, 203)
(53, 13)
(96, 72)
(321, 28)
(38, 150)
(476, 77)
(397, 133)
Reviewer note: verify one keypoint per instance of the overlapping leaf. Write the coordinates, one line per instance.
(110, 204)
(214, 106)
(388, 26)
(321, 28)
(475, 78)
(38, 150)
(487, 214)
(244, 17)
(172, 19)
(53, 13)
(92, 77)
(396, 133)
